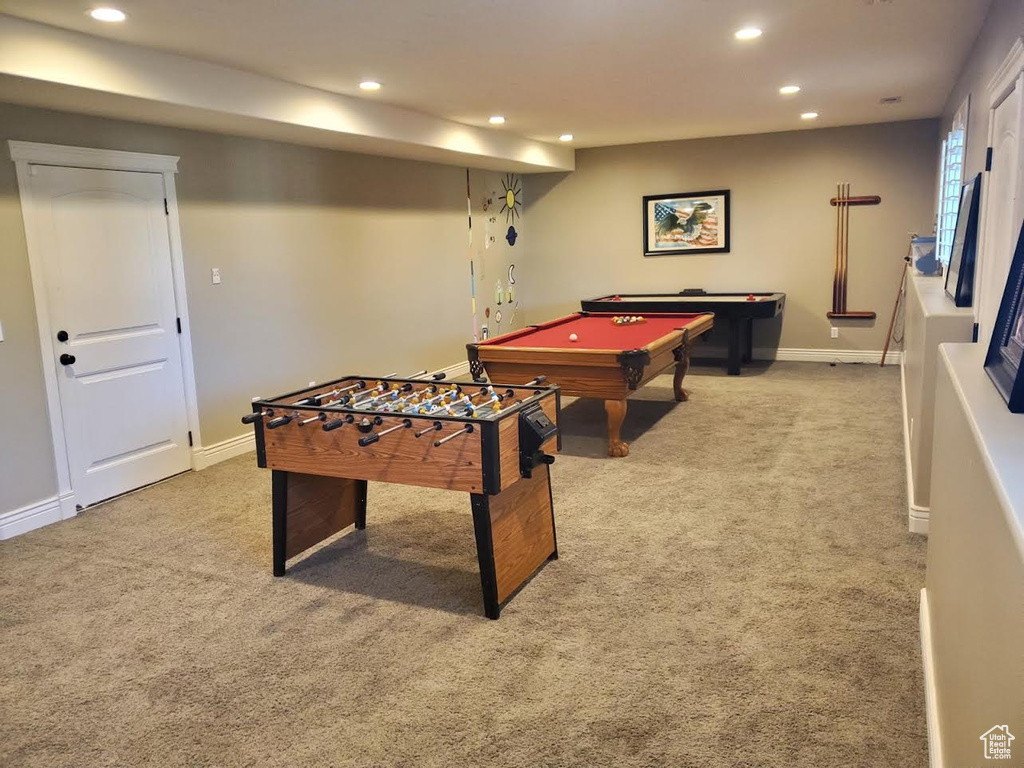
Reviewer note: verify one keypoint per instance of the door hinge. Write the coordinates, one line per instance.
(988, 159)
(167, 211)
(179, 324)
(190, 438)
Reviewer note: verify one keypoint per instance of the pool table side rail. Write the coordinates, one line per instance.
(767, 306)
(588, 372)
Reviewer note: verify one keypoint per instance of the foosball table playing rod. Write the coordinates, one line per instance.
(373, 437)
(466, 430)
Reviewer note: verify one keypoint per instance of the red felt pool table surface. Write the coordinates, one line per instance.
(594, 330)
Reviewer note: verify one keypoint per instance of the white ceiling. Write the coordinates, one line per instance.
(608, 71)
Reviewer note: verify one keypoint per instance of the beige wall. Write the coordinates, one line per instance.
(586, 227)
(1003, 25)
(332, 263)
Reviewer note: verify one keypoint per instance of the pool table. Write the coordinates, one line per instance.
(738, 310)
(605, 361)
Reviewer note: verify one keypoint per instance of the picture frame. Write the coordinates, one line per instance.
(686, 223)
(962, 256)
(1003, 362)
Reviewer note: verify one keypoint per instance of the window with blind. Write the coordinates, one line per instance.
(951, 177)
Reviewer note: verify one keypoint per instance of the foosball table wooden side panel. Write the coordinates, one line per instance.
(400, 457)
(311, 508)
(515, 532)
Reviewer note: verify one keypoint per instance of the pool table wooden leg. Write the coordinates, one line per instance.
(682, 366)
(616, 410)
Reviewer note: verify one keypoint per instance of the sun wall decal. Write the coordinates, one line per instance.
(512, 203)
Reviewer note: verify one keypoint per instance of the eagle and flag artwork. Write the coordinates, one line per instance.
(690, 222)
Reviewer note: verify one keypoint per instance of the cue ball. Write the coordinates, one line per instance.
(573, 337)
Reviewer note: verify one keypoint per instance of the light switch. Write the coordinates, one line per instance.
(835, 332)
(215, 275)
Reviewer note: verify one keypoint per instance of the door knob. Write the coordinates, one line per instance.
(67, 359)
(62, 335)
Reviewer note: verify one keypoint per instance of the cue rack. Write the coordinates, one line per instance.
(843, 201)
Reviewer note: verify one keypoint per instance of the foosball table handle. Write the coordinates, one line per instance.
(335, 423)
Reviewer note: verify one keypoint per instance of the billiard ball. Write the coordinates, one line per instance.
(573, 337)
(751, 297)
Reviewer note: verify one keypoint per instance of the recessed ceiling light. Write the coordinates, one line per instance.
(565, 137)
(370, 85)
(808, 115)
(789, 90)
(496, 120)
(748, 33)
(107, 14)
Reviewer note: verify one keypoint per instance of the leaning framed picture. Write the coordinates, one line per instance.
(1006, 349)
(687, 222)
(960, 275)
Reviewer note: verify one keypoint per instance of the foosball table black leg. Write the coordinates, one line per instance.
(485, 553)
(360, 504)
(515, 536)
(280, 528)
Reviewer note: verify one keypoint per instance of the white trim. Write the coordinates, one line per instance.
(931, 703)
(32, 516)
(188, 370)
(206, 456)
(25, 154)
(918, 517)
(84, 157)
(1010, 75)
(828, 355)
(455, 371)
(1002, 81)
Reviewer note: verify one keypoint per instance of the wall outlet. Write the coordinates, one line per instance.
(835, 332)
(215, 276)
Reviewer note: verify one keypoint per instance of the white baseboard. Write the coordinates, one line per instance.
(918, 516)
(208, 455)
(931, 704)
(456, 371)
(795, 355)
(28, 518)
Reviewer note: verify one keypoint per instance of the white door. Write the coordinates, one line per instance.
(110, 296)
(1003, 208)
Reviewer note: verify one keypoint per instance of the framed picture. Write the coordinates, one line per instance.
(960, 275)
(1006, 349)
(689, 222)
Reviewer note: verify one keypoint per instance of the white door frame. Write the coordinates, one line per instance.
(1009, 76)
(25, 154)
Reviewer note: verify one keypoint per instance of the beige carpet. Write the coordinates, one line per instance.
(740, 591)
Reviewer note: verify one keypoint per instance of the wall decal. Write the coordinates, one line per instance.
(511, 235)
(513, 198)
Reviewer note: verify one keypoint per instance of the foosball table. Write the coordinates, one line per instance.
(324, 443)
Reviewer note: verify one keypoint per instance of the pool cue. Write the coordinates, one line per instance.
(835, 260)
(843, 240)
(899, 297)
(846, 244)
